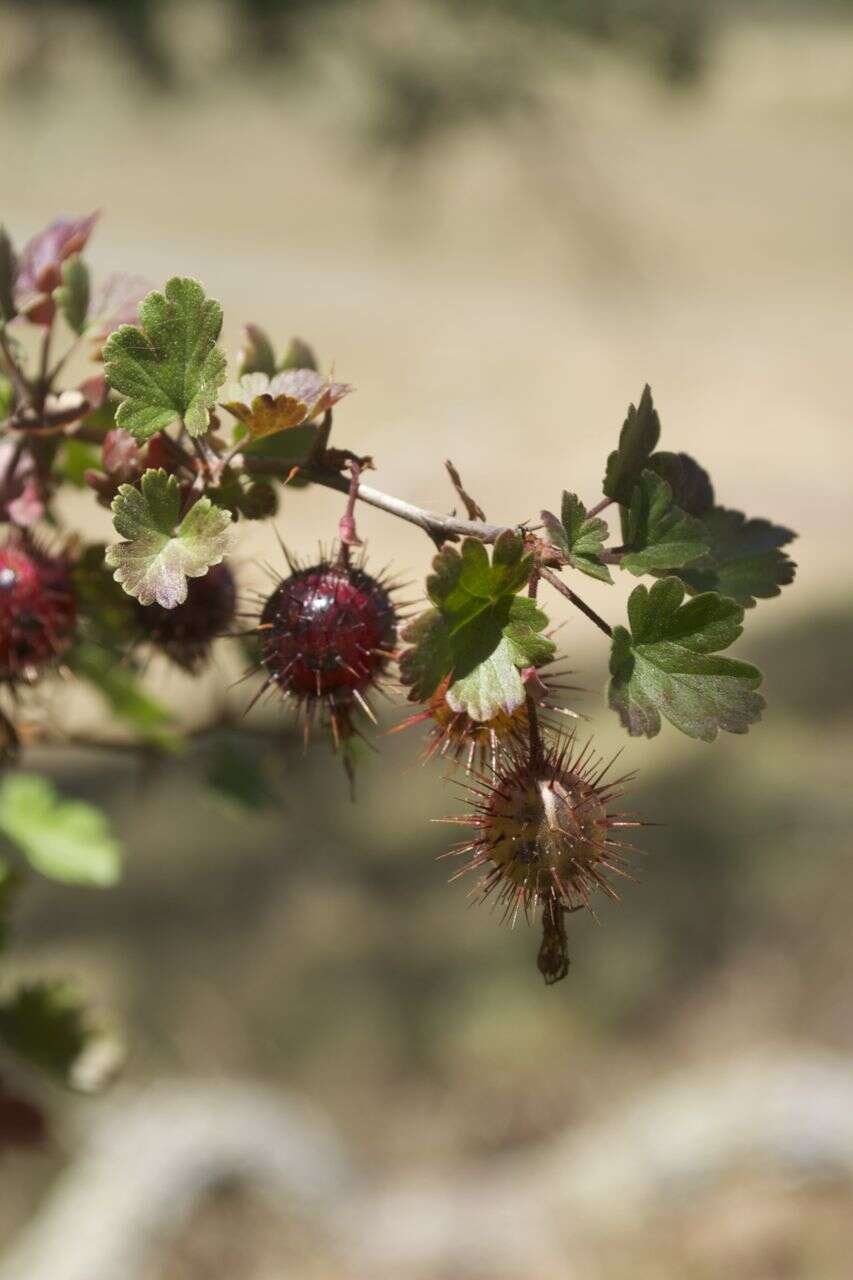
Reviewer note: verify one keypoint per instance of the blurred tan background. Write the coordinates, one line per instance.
(498, 230)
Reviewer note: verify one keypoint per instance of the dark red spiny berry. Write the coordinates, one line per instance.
(326, 633)
(185, 634)
(38, 610)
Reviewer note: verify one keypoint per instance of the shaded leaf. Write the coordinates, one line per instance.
(298, 355)
(256, 354)
(580, 538)
(637, 439)
(745, 561)
(46, 1023)
(161, 552)
(480, 632)
(690, 484)
(668, 664)
(8, 276)
(72, 296)
(66, 840)
(658, 535)
(170, 367)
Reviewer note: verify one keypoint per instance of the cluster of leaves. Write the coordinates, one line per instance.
(182, 455)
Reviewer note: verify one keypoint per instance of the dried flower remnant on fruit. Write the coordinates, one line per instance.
(326, 636)
(38, 610)
(187, 632)
(546, 838)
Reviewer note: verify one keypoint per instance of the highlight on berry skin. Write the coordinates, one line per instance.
(326, 636)
(545, 838)
(38, 609)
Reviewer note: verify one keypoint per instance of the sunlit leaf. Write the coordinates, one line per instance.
(480, 632)
(67, 840)
(170, 366)
(267, 406)
(161, 550)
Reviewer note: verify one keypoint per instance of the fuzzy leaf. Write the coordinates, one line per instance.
(160, 553)
(744, 561)
(45, 1023)
(266, 406)
(668, 664)
(66, 840)
(72, 296)
(657, 533)
(170, 367)
(640, 433)
(480, 631)
(580, 538)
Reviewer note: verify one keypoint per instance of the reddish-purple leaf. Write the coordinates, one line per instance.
(116, 302)
(21, 494)
(40, 264)
(122, 457)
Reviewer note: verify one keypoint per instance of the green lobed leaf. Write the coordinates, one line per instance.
(658, 535)
(170, 367)
(45, 1023)
(579, 537)
(66, 840)
(744, 560)
(668, 664)
(479, 631)
(72, 296)
(160, 552)
(637, 439)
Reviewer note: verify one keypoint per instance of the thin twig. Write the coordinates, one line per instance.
(599, 507)
(559, 585)
(448, 528)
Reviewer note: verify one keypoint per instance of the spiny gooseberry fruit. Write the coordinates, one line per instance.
(38, 609)
(326, 635)
(186, 633)
(545, 837)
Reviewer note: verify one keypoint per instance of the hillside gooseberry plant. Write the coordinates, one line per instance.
(184, 453)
